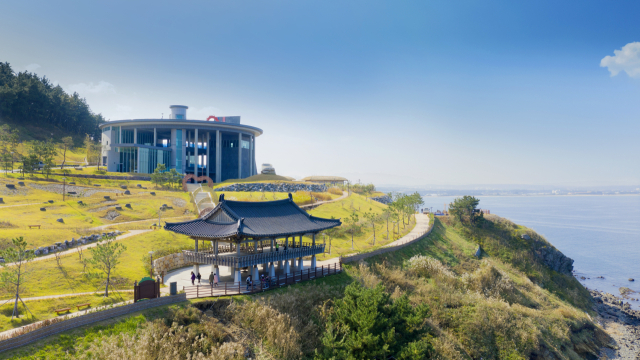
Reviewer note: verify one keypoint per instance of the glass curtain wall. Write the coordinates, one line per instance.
(128, 159)
(127, 136)
(179, 151)
(116, 135)
(151, 158)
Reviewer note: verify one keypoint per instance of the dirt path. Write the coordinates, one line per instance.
(45, 297)
(8, 206)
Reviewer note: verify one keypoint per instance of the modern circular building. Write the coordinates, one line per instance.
(219, 147)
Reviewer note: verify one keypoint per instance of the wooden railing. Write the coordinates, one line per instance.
(208, 257)
(238, 288)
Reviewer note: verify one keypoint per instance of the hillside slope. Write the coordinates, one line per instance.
(506, 305)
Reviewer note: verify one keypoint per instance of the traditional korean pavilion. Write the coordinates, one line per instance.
(244, 234)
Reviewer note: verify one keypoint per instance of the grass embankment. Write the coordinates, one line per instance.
(300, 197)
(79, 219)
(43, 309)
(47, 278)
(497, 307)
(363, 240)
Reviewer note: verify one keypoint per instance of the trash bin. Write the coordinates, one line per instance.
(173, 288)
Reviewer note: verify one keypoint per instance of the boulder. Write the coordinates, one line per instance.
(123, 186)
(127, 192)
(10, 186)
(139, 185)
(153, 193)
(36, 252)
(128, 206)
(555, 260)
(80, 202)
(20, 183)
(72, 183)
(97, 185)
(525, 236)
(118, 207)
(60, 220)
(478, 253)
(43, 209)
(1, 201)
(50, 201)
(107, 197)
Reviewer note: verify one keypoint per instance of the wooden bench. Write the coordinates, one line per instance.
(88, 305)
(33, 226)
(61, 311)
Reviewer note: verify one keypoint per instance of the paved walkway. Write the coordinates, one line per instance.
(102, 227)
(314, 205)
(8, 206)
(75, 249)
(46, 297)
(422, 225)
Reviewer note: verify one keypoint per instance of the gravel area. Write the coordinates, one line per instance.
(112, 215)
(178, 202)
(80, 190)
(621, 323)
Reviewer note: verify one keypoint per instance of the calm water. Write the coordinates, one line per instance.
(601, 233)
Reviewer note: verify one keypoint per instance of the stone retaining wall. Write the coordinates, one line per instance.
(362, 256)
(169, 262)
(90, 318)
(269, 187)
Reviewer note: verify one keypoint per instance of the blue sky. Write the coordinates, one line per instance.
(410, 93)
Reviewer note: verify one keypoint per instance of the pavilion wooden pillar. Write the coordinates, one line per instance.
(313, 257)
(196, 267)
(300, 261)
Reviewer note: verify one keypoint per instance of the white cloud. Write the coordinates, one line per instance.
(101, 87)
(32, 67)
(626, 59)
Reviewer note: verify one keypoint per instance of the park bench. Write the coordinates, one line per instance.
(33, 226)
(88, 305)
(61, 311)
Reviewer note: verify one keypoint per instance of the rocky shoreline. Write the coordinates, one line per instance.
(621, 323)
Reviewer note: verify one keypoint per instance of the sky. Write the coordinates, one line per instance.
(410, 93)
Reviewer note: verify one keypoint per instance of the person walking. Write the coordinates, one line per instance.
(211, 279)
(215, 280)
(248, 282)
(199, 277)
(276, 246)
(193, 278)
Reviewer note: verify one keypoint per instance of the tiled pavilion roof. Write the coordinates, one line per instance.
(244, 219)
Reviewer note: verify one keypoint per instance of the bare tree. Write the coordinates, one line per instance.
(16, 268)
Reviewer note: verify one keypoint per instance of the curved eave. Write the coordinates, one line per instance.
(189, 123)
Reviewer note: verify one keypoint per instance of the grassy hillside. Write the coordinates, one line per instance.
(505, 305)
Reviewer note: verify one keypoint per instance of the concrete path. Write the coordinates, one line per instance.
(102, 227)
(75, 249)
(66, 316)
(422, 225)
(46, 297)
(8, 206)
(314, 205)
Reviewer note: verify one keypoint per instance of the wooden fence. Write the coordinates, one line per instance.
(241, 288)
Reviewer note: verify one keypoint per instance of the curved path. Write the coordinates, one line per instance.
(314, 205)
(75, 249)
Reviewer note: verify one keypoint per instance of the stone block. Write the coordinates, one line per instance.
(43, 209)
(127, 192)
(60, 220)
(20, 183)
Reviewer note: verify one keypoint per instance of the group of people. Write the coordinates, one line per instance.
(213, 279)
(265, 281)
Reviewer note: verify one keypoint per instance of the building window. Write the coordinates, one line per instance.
(179, 116)
(116, 134)
(246, 144)
(127, 136)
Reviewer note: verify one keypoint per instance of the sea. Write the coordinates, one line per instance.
(600, 233)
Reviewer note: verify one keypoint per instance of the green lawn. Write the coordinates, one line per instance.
(363, 242)
(43, 309)
(47, 278)
(79, 219)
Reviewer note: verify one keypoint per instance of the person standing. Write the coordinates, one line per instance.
(193, 278)
(276, 246)
(211, 277)
(199, 277)
(215, 280)
(248, 282)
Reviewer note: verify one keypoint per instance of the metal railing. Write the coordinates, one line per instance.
(238, 288)
(209, 257)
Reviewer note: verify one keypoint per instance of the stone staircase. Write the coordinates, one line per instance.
(201, 198)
